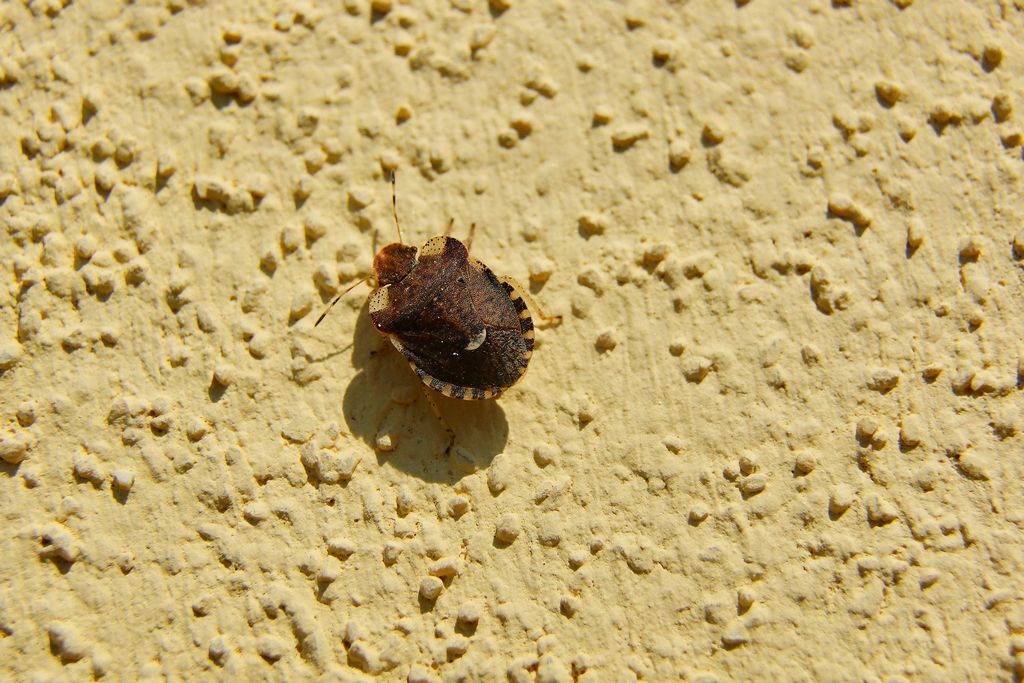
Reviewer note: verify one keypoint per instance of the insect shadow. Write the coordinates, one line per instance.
(370, 409)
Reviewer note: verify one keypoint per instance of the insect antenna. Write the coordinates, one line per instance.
(394, 207)
(337, 299)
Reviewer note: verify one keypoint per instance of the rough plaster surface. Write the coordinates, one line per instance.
(776, 437)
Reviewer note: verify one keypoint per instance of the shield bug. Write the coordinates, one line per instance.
(467, 333)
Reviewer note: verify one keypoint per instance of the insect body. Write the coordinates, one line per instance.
(464, 331)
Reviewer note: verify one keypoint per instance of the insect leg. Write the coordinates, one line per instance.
(440, 418)
(525, 293)
(469, 238)
(448, 230)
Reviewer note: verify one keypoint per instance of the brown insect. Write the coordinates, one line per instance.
(465, 332)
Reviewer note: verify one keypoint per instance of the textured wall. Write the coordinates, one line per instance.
(777, 435)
